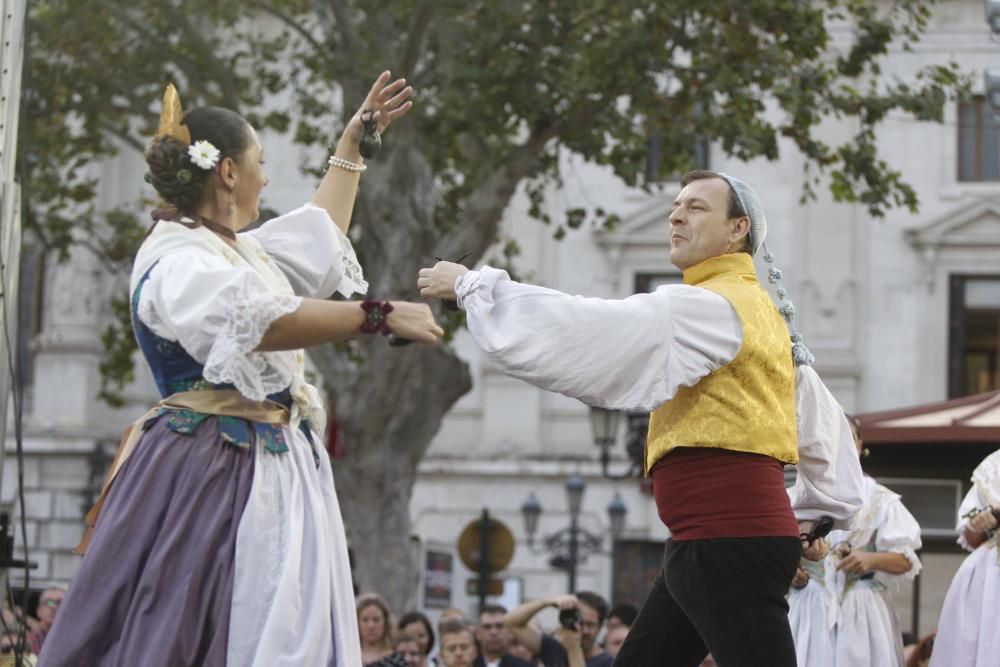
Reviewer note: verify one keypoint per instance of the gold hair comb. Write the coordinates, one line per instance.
(170, 117)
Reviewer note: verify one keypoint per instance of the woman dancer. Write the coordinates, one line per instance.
(839, 608)
(968, 632)
(219, 539)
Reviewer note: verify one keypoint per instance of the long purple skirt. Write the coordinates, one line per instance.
(155, 586)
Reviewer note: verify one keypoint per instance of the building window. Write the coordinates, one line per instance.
(648, 282)
(978, 141)
(654, 158)
(29, 321)
(974, 354)
(634, 566)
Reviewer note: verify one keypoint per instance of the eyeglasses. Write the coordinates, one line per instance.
(50, 603)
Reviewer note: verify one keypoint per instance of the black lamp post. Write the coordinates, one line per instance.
(604, 425)
(571, 546)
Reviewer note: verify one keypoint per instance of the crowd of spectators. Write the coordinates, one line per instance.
(588, 634)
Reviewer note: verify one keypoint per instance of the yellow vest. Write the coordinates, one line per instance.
(747, 405)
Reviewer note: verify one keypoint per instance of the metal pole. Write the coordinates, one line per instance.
(574, 549)
(484, 557)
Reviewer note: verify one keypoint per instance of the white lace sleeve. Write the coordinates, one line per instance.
(317, 258)
(219, 313)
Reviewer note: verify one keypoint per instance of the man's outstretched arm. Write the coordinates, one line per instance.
(631, 353)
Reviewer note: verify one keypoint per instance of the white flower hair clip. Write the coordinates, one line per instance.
(204, 154)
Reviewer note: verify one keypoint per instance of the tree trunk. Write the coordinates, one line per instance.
(389, 400)
(387, 425)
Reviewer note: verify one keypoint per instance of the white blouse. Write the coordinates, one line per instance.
(885, 525)
(985, 493)
(635, 353)
(218, 302)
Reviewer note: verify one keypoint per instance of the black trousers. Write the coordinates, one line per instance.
(725, 596)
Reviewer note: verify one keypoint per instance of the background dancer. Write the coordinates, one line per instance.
(968, 632)
(713, 360)
(842, 614)
(219, 538)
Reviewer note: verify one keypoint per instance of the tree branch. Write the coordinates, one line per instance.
(294, 25)
(485, 205)
(222, 75)
(343, 25)
(414, 38)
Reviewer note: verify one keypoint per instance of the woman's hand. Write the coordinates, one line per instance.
(857, 563)
(439, 282)
(414, 321)
(815, 550)
(387, 101)
(983, 522)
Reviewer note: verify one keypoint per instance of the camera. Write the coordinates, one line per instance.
(569, 618)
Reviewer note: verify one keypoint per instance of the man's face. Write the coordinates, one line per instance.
(700, 227)
(491, 633)
(48, 605)
(457, 649)
(589, 628)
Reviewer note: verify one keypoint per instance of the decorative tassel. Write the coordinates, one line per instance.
(800, 353)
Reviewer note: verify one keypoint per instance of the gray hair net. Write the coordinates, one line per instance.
(750, 203)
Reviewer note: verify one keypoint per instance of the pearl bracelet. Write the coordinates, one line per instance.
(346, 165)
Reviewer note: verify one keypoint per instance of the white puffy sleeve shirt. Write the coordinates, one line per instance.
(635, 353)
(219, 311)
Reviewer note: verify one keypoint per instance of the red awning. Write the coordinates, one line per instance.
(970, 419)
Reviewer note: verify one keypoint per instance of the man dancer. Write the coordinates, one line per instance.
(713, 361)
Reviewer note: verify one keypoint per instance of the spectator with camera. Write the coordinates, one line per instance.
(581, 618)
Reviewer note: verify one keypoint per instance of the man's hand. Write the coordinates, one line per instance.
(439, 282)
(800, 579)
(817, 549)
(563, 601)
(857, 563)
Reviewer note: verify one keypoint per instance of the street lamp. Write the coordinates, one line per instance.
(531, 510)
(604, 425)
(993, 15)
(571, 546)
(991, 88)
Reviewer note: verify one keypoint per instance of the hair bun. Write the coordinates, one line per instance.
(172, 174)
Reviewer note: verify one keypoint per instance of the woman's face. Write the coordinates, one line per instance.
(251, 180)
(410, 650)
(419, 632)
(371, 624)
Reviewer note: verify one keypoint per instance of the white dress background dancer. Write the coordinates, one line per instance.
(969, 628)
(843, 616)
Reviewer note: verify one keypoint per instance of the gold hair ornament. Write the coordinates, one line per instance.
(171, 116)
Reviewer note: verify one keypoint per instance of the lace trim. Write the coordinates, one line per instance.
(350, 269)
(232, 359)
